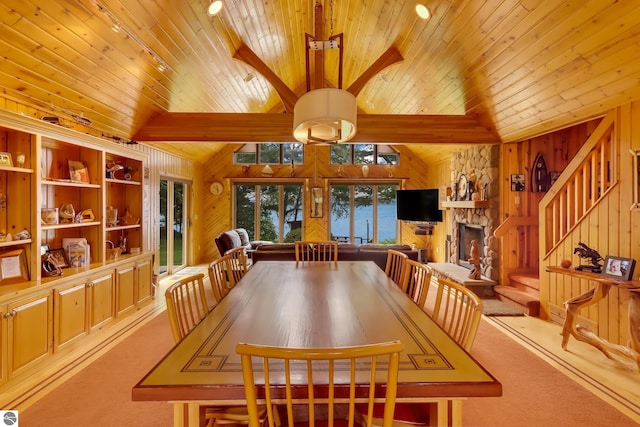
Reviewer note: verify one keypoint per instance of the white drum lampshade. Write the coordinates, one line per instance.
(325, 115)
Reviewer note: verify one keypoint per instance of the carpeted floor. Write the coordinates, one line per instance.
(534, 392)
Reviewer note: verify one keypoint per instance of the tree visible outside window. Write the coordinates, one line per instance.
(270, 212)
(363, 213)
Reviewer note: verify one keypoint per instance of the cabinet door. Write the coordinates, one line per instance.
(29, 331)
(101, 294)
(144, 280)
(125, 289)
(3, 345)
(71, 313)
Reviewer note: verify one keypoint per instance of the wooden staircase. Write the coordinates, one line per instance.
(523, 292)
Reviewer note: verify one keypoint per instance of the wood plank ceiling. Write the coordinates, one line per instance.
(515, 68)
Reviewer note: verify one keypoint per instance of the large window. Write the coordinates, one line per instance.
(270, 153)
(271, 212)
(364, 213)
(173, 226)
(364, 154)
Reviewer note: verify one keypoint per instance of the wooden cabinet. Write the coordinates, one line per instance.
(125, 289)
(133, 284)
(29, 331)
(144, 278)
(57, 184)
(101, 294)
(71, 312)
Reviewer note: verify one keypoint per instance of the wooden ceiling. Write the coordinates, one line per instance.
(508, 69)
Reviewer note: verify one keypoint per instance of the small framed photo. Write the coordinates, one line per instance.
(60, 257)
(78, 171)
(553, 176)
(13, 267)
(5, 159)
(622, 268)
(517, 182)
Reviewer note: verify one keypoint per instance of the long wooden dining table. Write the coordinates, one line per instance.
(318, 304)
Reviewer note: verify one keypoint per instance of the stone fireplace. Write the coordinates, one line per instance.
(480, 165)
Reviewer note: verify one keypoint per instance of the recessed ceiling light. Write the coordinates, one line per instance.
(423, 11)
(370, 104)
(214, 7)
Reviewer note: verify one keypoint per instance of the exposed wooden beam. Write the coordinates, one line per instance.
(246, 55)
(270, 127)
(389, 57)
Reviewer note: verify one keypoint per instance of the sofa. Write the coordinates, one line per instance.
(235, 238)
(346, 252)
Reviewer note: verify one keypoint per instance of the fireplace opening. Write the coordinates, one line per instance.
(467, 233)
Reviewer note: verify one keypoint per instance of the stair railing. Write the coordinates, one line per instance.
(585, 181)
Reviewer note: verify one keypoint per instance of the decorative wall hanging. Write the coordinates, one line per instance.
(540, 181)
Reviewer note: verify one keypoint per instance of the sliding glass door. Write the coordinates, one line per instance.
(173, 226)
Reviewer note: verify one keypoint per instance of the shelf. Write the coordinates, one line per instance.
(597, 277)
(15, 243)
(15, 169)
(68, 183)
(70, 225)
(466, 204)
(123, 227)
(122, 181)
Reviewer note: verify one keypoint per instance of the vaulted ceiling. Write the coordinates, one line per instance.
(477, 71)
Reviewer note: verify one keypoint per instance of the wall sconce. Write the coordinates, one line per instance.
(267, 171)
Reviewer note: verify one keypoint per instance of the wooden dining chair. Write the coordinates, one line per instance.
(323, 366)
(220, 277)
(186, 305)
(458, 311)
(238, 263)
(395, 264)
(316, 251)
(416, 281)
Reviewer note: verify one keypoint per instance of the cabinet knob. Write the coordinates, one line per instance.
(90, 285)
(10, 314)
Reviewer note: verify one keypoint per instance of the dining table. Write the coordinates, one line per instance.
(314, 304)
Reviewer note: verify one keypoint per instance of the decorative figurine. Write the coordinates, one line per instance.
(594, 257)
(474, 260)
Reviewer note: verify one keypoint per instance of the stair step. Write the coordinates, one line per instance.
(527, 301)
(525, 280)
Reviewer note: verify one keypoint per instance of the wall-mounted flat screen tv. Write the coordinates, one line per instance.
(419, 205)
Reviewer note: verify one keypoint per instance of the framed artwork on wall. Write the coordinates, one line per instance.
(517, 182)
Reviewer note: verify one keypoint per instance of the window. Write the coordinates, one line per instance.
(270, 153)
(363, 213)
(363, 154)
(270, 212)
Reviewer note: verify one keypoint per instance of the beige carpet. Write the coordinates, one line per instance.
(535, 393)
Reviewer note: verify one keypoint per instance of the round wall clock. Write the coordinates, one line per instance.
(463, 187)
(215, 188)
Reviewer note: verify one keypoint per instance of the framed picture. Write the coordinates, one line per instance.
(622, 268)
(553, 176)
(78, 171)
(60, 257)
(5, 159)
(13, 267)
(317, 202)
(517, 182)
(78, 254)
